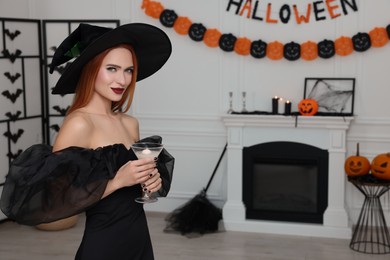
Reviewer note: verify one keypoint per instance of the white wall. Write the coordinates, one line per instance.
(183, 102)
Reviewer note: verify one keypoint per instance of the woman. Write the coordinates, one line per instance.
(91, 167)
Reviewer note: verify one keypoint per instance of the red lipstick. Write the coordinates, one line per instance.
(118, 90)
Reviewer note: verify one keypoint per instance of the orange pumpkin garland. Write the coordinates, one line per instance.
(152, 8)
(309, 50)
(378, 36)
(343, 46)
(275, 50)
(243, 46)
(211, 37)
(182, 25)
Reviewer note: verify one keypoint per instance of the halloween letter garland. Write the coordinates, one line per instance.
(292, 51)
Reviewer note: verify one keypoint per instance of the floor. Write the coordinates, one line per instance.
(21, 242)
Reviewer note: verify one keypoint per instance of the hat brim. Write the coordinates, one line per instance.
(151, 45)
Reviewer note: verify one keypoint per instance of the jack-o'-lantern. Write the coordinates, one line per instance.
(326, 49)
(361, 42)
(275, 50)
(380, 166)
(308, 107)
(227, 41)
(211, 37)
(182, 25)
(378, 37)
(168, 18)
(197, 31)
(309, 50)
(292, 51)
(258, 49)
(357, 165)
(242, 46)
(343, 46)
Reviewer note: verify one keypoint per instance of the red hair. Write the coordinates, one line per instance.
(86, 84)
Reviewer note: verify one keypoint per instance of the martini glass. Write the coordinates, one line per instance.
(146, 150)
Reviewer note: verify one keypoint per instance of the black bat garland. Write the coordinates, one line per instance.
(14, 137)
(12, 96)
(11, 35)
(12, 78)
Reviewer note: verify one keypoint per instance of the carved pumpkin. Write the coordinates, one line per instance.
(152, 8)
(308, 107)
(227, 41)
(182, 25)
(275, 50)
(343, 46)
(361, 42)
(309, 50)
(380, 166)
(258, 49)
(292, 51)
(197, 31)
(211, 37)
(378, 37)
(357, 165)
(168, 18)
(243, 46)
(326, 49)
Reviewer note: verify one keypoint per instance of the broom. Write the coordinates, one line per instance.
(198, 215)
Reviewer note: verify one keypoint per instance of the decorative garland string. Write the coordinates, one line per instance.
(309, 50)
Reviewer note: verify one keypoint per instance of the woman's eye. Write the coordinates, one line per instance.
(112, 69)
(130, 70)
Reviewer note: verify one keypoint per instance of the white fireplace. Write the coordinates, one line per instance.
(324, 132)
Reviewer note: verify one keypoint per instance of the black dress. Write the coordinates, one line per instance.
(43, 186)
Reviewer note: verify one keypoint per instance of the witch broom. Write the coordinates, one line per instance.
(198, 215)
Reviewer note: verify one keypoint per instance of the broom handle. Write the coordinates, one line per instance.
(215, 169)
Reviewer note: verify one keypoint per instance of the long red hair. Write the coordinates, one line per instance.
(86, 84)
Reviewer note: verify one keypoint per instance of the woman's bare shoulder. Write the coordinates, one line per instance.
(132, 125)
(75, 131)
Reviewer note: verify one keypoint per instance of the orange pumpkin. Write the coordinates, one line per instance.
(343, 46)
(182, 25)
(152, 8)
(308, 107)
(309, 50)
(275, 50)
(380, 166)
(211, 37)
(243, 46)
(379, 37)
(357, 165)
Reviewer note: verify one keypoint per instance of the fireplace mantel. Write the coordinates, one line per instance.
(321, 131)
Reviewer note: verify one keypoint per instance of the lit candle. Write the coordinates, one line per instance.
(275, 104)
(287, 108)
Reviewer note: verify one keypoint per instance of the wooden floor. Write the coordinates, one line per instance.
(21, 242)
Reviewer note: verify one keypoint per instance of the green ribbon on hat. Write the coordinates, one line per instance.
(74, 51)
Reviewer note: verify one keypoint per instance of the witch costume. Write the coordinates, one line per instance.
(44, 186)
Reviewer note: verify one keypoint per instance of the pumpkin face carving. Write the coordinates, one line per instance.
(308, 107)
(197, 31)
(292, 51)
(227, 41)
(326, 49)
(357, 165)
(258, 49)
(168, 18)
(380, 166)
(361, 42)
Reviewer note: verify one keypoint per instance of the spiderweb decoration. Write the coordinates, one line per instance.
(331, 98)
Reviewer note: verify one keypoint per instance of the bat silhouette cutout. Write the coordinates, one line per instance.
(13, 156)
(12, 78)
(13, 117)
(11, 35)
(11, 56)
(53, 48)
(55, 127)
(61, 69)
(12, 96)
(62, 111)
(14, 137)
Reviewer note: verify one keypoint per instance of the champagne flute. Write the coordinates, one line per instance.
(146, 150)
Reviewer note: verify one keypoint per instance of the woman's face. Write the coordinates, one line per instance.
(115, 74)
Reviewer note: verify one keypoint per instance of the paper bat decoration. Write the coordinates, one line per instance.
(11, 35)
(61, 69)
(14, 137)
(12, 96)
(11, 56)
(13, 117)
(12, 78)
(13, 156)
(55, 127)
(62, 111)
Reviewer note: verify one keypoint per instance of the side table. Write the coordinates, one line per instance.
(371, 234)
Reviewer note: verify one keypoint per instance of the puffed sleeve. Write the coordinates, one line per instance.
(42, 186)
(165, 165)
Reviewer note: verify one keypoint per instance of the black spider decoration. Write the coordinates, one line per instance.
(326, 49)
(11, 56)
(168, 18)
(292, 51)
(12, 78)
(227, 41)
(11, 35)
(258, 49)
(361, 42)
(12, 96)
(197, 31)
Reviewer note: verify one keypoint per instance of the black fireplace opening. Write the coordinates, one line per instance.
(285, 181)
